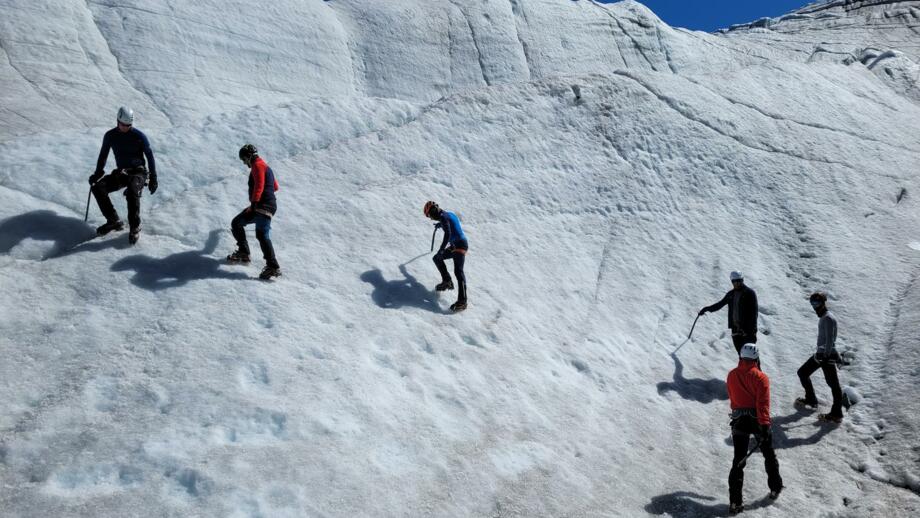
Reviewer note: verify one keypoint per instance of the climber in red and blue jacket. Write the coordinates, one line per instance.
(261, 209)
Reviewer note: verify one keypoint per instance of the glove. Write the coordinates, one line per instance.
(152, 183)
(702, 312)
(95, 177)
(820, 357)
(764, 433)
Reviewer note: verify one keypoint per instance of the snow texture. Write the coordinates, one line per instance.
(610, 171)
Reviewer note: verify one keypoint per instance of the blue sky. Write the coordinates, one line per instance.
(710, 15)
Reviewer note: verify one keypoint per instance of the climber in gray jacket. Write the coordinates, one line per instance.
(825, 358)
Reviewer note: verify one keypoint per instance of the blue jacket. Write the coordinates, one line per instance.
(453, 232)
(130, 149)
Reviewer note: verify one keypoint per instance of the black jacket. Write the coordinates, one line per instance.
(748, 307)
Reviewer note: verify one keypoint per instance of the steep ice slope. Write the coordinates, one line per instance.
(603, 211)
(185, 61)
(883, 35)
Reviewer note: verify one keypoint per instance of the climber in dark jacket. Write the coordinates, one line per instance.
(742, 311)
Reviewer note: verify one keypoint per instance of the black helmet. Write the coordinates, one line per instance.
(248, 152)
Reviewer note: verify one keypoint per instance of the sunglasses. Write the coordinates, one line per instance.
(816, 303)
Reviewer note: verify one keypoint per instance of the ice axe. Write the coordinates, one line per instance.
(688, 336)
(755, 448)
(88, 196)
(693, 326)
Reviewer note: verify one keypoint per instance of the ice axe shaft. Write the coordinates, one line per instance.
(688, 336)
(755, 448)
(88, 196)
(434, 233)
(693, 326)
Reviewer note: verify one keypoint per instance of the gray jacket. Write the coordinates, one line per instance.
(827, 334)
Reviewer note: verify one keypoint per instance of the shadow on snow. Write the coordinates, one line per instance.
(398, 293)
(703, 391)
(177, 269)
(47, 225)
(690, 505)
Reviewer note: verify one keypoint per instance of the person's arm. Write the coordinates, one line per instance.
(148, 153)
(447, 227)
(763, 400)
(718, 305)
(103, 155)
(258, 183)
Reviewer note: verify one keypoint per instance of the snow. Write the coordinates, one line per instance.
(609, 171)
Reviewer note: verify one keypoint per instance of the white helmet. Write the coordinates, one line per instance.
(749, 352)
(736, 276)
(126, 115)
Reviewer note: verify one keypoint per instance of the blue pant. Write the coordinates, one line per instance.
(263, 234)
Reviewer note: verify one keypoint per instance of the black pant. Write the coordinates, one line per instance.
(740, 339)
(263, 234)
(741, 438)
(134, 180)
(830, 376)
(458, 255)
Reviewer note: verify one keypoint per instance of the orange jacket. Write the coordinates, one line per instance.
(749, 387)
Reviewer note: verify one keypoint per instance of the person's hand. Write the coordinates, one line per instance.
(820, 357)
(764, 432)
(95, 177)
(248, 209)
(152, 184)
(702, 312)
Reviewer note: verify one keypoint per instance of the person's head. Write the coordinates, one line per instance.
(737, 279)
(432, 210)
(749, 352)
(125, 119)
(248, 154)
(818, 301)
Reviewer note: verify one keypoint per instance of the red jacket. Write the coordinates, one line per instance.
(749, 387)
(260, 175)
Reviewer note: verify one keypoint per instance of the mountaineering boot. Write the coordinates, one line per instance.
(828, 418)
(134, 235)
(458, 306)
(806, 403)
(270, 271)
(238, 257)
(109, 226)
(734, 509)
(775, 494)
(444, 286)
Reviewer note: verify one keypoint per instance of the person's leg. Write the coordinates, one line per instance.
(738, 341)
(442, 268)
(263, 234)
(101, 190)
(771, 464)
(830, 376)
(237, 227)
(805, 372)
(459, 259)
(133, 193)
(736, 475)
